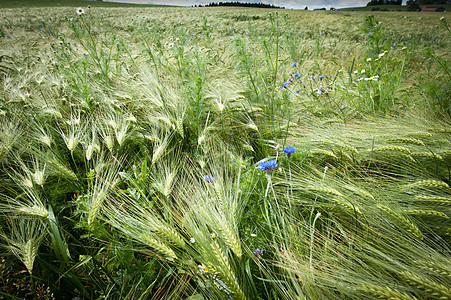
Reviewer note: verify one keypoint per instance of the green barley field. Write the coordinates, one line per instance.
(224, 153)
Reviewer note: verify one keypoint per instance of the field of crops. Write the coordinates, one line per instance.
(224, 153)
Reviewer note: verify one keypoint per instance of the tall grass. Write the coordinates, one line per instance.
(144, 156)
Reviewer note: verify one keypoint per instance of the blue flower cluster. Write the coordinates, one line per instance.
(209, 178)
(268, 165)
(191, 35)
(289, 150)
(296, 78)
(258, 253)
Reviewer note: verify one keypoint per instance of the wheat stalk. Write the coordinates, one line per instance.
(223, 269)
(444, 201)
(408, 141)
(25, 237)
(432, 288)
(405, 223)
(428, 212)
(384, 292)
(321, 152)
(439, 268)
(430, 184)
(392, 148)
(427, 155)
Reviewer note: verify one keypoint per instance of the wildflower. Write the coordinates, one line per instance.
(209, 178)
(395, 44)
(312, 77)
(382, 54)
(192, 240)
(80, 11)
(298, 91)
(220, 285)
(289, 150)
(284, 85)
(296, 75)
(203, 269)
(191, 34)
(268, 165)
(321, 77)
(404, 48)
(442, 18)
(294, 64)
(213, 235)
(369, 34)
(368, 59)
(203, 33)
(258, 253)
(170, 45)
(320, 91)
(8, 37)
(253, 235)
(355, 72)
(363, 71)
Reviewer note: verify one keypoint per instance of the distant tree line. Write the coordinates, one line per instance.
(384, 2)
(426, 2)
(242, 4)
(414, 5)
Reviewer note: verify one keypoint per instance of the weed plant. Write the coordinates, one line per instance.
(215, 153)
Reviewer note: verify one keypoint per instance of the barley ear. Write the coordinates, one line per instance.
(383, 292)
(225, 271)
(433, 288)
(405, 223)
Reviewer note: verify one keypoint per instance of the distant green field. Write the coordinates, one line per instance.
(69, 3)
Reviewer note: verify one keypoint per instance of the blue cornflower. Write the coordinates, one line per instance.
(191, 34)
(268, 165)
(187, 37)
(284, 85)
(9, 37)
(298, 91)
(203, 33)
(258, 253)
(294, 64)
(209, 178)
(368, 34)
(321, 76)
(395, 44)
(296, 75)
(289, 150)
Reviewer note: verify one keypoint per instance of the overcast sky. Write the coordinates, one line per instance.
(294, 4)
